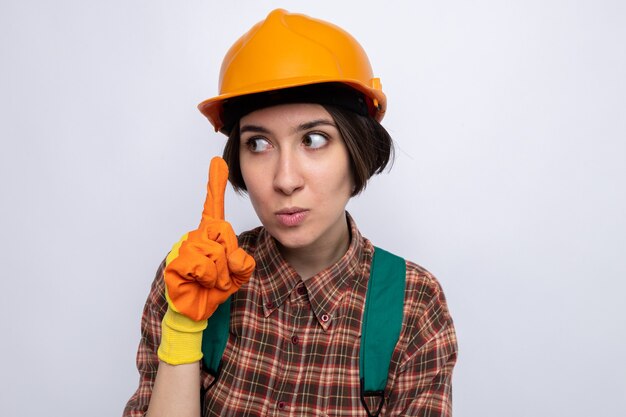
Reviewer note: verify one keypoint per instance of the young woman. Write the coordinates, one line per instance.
(301, 111)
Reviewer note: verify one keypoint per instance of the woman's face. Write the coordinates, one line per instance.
(297, 173)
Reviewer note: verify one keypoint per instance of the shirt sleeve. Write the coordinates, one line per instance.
(147, 359)
(422, 384)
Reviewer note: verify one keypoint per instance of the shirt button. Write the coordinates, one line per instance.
(281, 405)
(295, 340)
(301, 290)
(269, 305)
(325, 318)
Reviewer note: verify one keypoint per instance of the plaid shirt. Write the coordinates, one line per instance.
(294, 345)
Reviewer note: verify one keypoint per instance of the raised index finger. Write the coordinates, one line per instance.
(218, 177)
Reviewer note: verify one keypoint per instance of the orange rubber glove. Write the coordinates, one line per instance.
(202, 270)
(210, 265)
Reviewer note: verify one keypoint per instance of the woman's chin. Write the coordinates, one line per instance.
(292, 241)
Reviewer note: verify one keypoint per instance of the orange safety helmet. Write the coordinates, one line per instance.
(289, 50)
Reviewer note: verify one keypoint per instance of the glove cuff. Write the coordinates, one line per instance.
(181, 338)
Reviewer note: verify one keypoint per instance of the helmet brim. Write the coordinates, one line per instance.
(212, 108)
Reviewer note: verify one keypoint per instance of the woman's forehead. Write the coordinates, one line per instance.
(291, 114)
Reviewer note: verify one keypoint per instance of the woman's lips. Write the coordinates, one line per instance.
(291, 217)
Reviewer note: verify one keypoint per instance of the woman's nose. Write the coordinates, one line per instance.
(288, 175)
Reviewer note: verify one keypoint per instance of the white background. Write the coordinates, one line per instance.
(509, 185)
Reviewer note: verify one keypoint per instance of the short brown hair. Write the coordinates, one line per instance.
(369, 145)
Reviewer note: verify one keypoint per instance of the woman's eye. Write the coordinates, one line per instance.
(257, 144)
(314, 140)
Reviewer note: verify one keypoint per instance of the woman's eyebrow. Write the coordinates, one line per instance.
(301, 127)
(253, 128)
(315, 123)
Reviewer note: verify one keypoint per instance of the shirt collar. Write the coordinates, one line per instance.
(326, 289)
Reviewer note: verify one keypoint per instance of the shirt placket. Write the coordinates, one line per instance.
(298, 316)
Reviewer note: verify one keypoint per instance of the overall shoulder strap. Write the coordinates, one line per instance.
(214, 338)
(382, 322)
